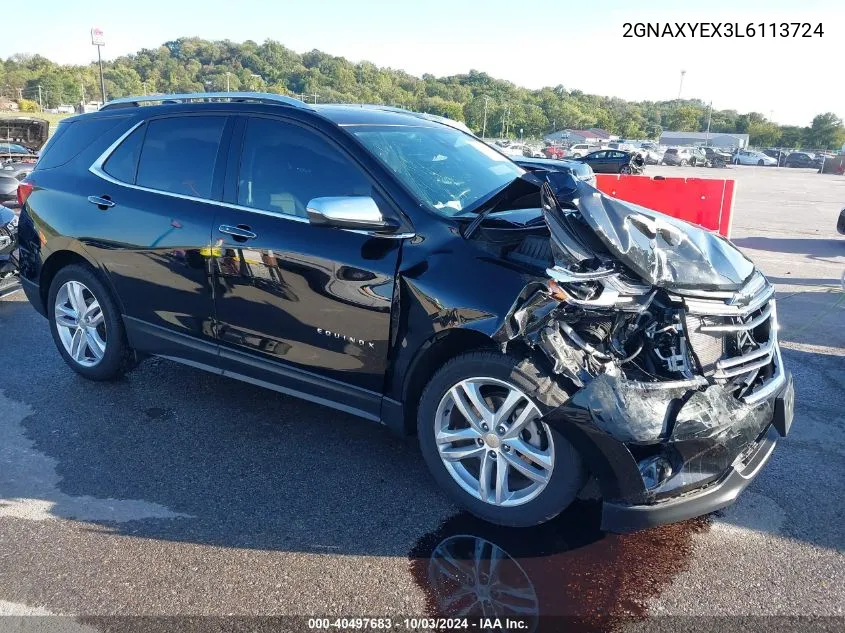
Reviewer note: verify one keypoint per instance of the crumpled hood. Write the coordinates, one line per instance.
(30, 132)
(663, 251)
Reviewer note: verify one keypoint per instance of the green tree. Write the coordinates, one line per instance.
(826, 132)
(684, 119)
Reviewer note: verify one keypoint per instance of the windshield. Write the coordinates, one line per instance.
(447, 169)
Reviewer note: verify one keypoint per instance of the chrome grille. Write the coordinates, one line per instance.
(734, 338)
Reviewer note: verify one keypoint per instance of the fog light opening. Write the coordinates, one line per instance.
(655, 470)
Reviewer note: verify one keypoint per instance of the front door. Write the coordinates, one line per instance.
(301, 306)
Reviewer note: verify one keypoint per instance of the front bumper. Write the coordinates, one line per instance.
(716, 468)
(617, 517)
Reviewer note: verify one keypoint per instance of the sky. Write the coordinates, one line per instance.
(579, 45)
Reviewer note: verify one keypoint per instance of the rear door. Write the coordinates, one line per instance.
(156, 199)
(302, 307)
(598, 161)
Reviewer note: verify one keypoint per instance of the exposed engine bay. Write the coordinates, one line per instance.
(665, 333)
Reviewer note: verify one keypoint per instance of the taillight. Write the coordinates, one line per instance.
(24, 189)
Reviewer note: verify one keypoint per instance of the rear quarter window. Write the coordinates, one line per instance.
(72, 137)
(123, 162)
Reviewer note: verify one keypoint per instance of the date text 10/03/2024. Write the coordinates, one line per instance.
(721, 29)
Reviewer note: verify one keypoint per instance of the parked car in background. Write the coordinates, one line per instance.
(683, 156)
(651, 156)
(554, 151)
(580, 149)
(803, 159)
(840, 225)
(581, 170)
(778, 154)
(612, 161)
(515, 149)
(10, 176)
(8, 189)
(21, 137)
(530, 332)
(717, 157)
(13, 151)
(750, 157)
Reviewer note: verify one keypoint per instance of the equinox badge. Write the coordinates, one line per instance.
(351, 339)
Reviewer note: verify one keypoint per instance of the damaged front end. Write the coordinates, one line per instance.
(668, 337)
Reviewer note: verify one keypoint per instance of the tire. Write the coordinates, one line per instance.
(736, 161)
(576, 156)
(625, 169)
(760, 163)
(116, 358)
(683, 162)
(567, 476)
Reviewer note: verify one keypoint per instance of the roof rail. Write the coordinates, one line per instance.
(252, 97)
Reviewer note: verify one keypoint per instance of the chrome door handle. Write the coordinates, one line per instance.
(101, 202)
(238, 231)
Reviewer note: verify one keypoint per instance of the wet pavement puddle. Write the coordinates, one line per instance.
(565, 574)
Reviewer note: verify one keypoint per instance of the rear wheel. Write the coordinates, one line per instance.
(86, 324)
(481, 434)
(625, 169)
(576, 155)
(736, 161)
(683, 162)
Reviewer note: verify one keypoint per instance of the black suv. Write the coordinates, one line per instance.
(534, 333)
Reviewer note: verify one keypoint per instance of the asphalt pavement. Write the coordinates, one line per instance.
(178, 493)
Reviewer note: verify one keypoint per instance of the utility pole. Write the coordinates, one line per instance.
(82, 89)
(484, 125)
(102, 79)
(20, 94)
(98, 39)
(709, 114)
(681, 86)
(227, 81)
(40, 106)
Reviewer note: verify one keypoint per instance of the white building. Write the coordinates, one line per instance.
(714, 139)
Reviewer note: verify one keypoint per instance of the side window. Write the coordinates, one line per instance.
(284, 166)
(598, 155)
(123, 162)
(179, 154)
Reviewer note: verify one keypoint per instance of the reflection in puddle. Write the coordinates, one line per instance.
(566, 568)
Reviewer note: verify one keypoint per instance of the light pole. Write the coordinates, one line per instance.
(681, 86)
(227, 81)
(709, 114)
(98, 39)
(484, 125)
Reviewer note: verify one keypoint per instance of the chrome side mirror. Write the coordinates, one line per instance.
(348, 212)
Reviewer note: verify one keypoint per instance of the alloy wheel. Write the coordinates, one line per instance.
(492, 442)
(80, 323)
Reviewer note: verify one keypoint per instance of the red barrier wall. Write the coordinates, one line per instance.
(705, 201)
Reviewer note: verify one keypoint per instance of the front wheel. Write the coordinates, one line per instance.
(625, 169)
(576, 155)
(760, 163)
(482, 436)
(683, 162)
